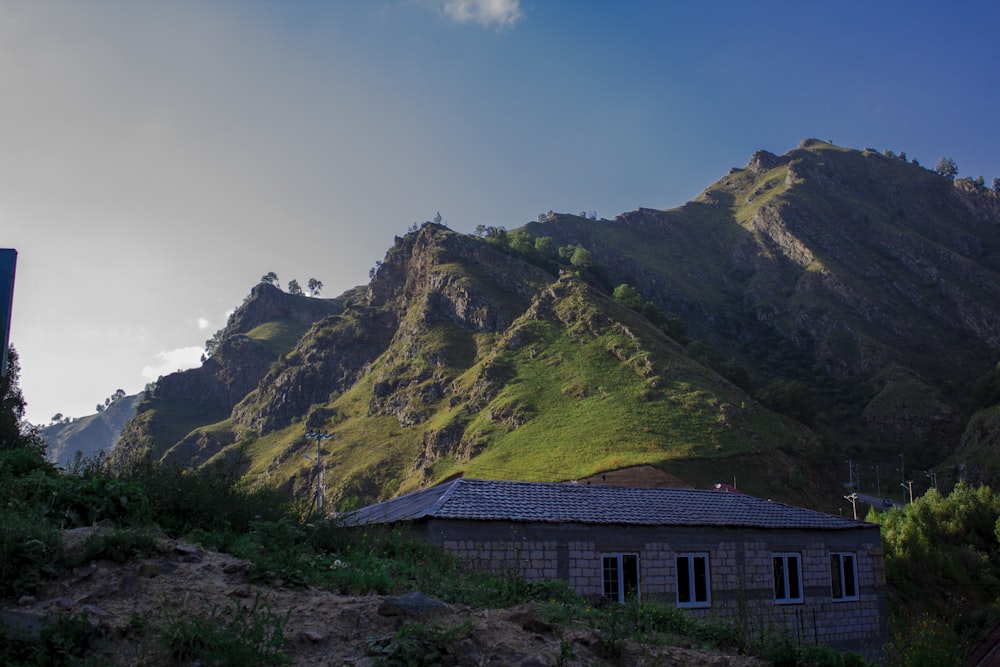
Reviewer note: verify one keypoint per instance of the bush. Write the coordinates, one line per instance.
(27, 540)
(65, 640)
(418, 645)
(210, 499)
(118, 546)
(254, 636)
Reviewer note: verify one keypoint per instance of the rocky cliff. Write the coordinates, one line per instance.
(822, 304)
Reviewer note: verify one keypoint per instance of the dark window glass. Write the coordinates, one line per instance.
(779, 577)
(683, 580)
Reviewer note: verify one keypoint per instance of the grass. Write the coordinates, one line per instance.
(278, 336)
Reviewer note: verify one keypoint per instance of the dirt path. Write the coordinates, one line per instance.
(132, 601)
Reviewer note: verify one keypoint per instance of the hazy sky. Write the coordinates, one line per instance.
(157, 157)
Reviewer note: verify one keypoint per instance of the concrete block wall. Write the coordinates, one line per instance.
(740, 572)
(532, 560)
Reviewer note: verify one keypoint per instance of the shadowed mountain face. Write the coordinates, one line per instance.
(810, 307)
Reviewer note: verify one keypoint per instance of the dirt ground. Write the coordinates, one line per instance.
(126, 602)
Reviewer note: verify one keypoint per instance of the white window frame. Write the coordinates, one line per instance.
(689, 559)
(620, 592)
(840, 583)
(788, 583)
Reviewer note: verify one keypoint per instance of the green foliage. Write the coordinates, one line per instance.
(581, 258)
(923, 640)
(27, 540)
(244, 636)
(627, 296)
(791, 398)
(418, 645)
(212, 498)
(946, 167)
(212, 344)
(943, 561)
(118, 546)
(64, 641)
(14, 433)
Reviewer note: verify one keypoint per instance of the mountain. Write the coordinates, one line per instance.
(90, 435)
(808, 309)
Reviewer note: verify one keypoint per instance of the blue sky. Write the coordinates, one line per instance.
(156, 158)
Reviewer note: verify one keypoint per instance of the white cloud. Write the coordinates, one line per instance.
(174, 360)
(502, 13)
(203, 324)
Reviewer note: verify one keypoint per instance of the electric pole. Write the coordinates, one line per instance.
(319, 437)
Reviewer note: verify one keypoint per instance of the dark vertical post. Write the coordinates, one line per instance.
(8, 261)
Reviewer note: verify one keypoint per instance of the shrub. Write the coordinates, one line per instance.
(254, 636)
(118, 546)
(27, 539)
(64, 640)
(418, 645)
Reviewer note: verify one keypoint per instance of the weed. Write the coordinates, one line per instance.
(253, 636)
(65, 640)
(417, 645)
(118, 546)
(26, 541)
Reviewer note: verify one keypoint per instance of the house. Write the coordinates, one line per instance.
(712, 553)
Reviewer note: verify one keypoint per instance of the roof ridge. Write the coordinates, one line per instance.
(432, 510)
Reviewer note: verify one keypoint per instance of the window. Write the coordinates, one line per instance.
(787, 577)
(692, 580)
(844, 576)
(620, 573)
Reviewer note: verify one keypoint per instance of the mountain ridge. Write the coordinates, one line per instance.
(823, 304)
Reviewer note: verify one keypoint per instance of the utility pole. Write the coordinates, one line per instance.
(907, 485)
(902, 476)
(319, 437)
(850, 474)
(853, 499)
(878, 484)
(932, 476)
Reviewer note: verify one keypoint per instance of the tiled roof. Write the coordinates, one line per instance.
(491, 500)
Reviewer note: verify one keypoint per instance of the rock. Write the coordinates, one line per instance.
(410, 604)
(149, 569)
(236, 567)
(312, 635)
(94, 610)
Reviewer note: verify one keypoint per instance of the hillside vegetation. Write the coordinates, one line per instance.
(824, 306)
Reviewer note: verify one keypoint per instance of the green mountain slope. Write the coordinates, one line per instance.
(90, 435)
(812, 307)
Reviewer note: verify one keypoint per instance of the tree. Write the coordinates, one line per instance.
(12, 428)
(118, 395)
(627, 296)
(212, 344)
(57, 417)
(293, 287)
(947, 168)
(521, 241)
(544, 245)
(437, 218)
(315, 286)
(271, 278)
(996, 184)
(581, 257)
